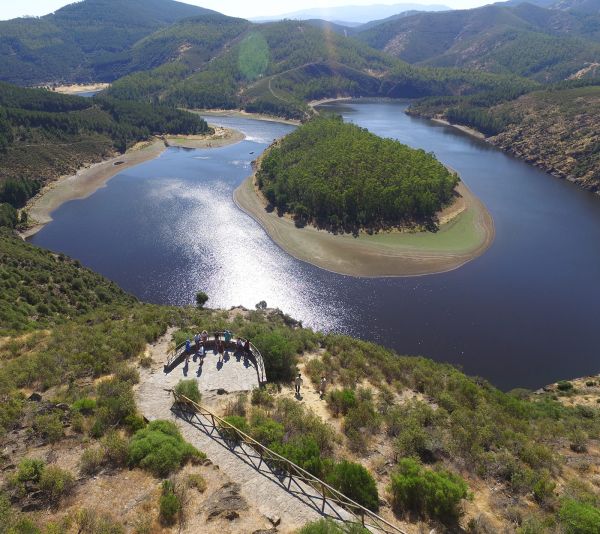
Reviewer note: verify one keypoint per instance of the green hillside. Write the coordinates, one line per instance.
(278, 67)
(44, 135)
(84, 41)
(527, 40)
(443, 438)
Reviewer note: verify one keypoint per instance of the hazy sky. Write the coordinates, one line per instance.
(242, 8)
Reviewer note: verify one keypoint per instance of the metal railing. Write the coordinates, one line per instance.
(178, 353)
(327, 494)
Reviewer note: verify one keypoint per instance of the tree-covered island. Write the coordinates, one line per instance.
(341, 177)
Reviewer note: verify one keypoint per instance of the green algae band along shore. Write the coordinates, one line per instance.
(352, 163)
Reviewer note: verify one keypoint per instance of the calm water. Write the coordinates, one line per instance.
(524, 314)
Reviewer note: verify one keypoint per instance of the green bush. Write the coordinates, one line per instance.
(91, 461)
(56, 483)
(279, 354)
(326, 526)
(340, 401)
(201, 299)
(160, 448)
(579, 518)
(115, 402)
(170, 505)
(30, 470)
(189, 388)
(127, 373)
(23, 525)
(197, 481)
(579, 441)
(304, 452)
(354, 481)
(564, 385)
(265, 430)
(91, 522)
(238, 422)
(261, 397)
(85, 406)
(48, 427)
(435, 494)
(116, 448)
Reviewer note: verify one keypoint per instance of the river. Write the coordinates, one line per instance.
(522, 315)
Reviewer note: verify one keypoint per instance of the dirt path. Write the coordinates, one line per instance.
(267, 493)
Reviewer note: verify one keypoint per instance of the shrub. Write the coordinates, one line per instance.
(564, 385)
(579, 518)
(265, 430)
(590, 383)
(146, 362)
(196, 480)
(238, 422)
(48, 427)
(201, 299)
(340, 401)
(279, 354)
(30, 470)
(261, 397)
(436, 494)
(303, 451)
(86, 406)
(90, 522)
(354, 481)
(170, 505)
(91, 461)
(160, 448)
(326, 526)
(543, 489)
(189, 388)
(115, 402)
(23, 525)
(578, 441)
(414, 440)
(237, 406)
(56, 483)
(126, 373)
(116, 448)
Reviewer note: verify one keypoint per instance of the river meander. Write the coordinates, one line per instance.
(525, 313)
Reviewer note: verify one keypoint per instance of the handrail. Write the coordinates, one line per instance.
(328, 492)
(177, 352)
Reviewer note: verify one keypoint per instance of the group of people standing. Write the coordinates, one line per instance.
(223, 341)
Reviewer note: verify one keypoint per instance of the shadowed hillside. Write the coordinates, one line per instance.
(83, 41)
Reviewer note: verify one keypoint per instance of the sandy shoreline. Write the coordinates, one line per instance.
(460, 127)
(466, 231)
(243, 114)
(81, 88)
(85, 182)
(89, 179)
(221, 137)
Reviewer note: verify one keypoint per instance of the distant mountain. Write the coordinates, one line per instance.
(346, 15)
(83, 41)
(527, 40)
(577, 6)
